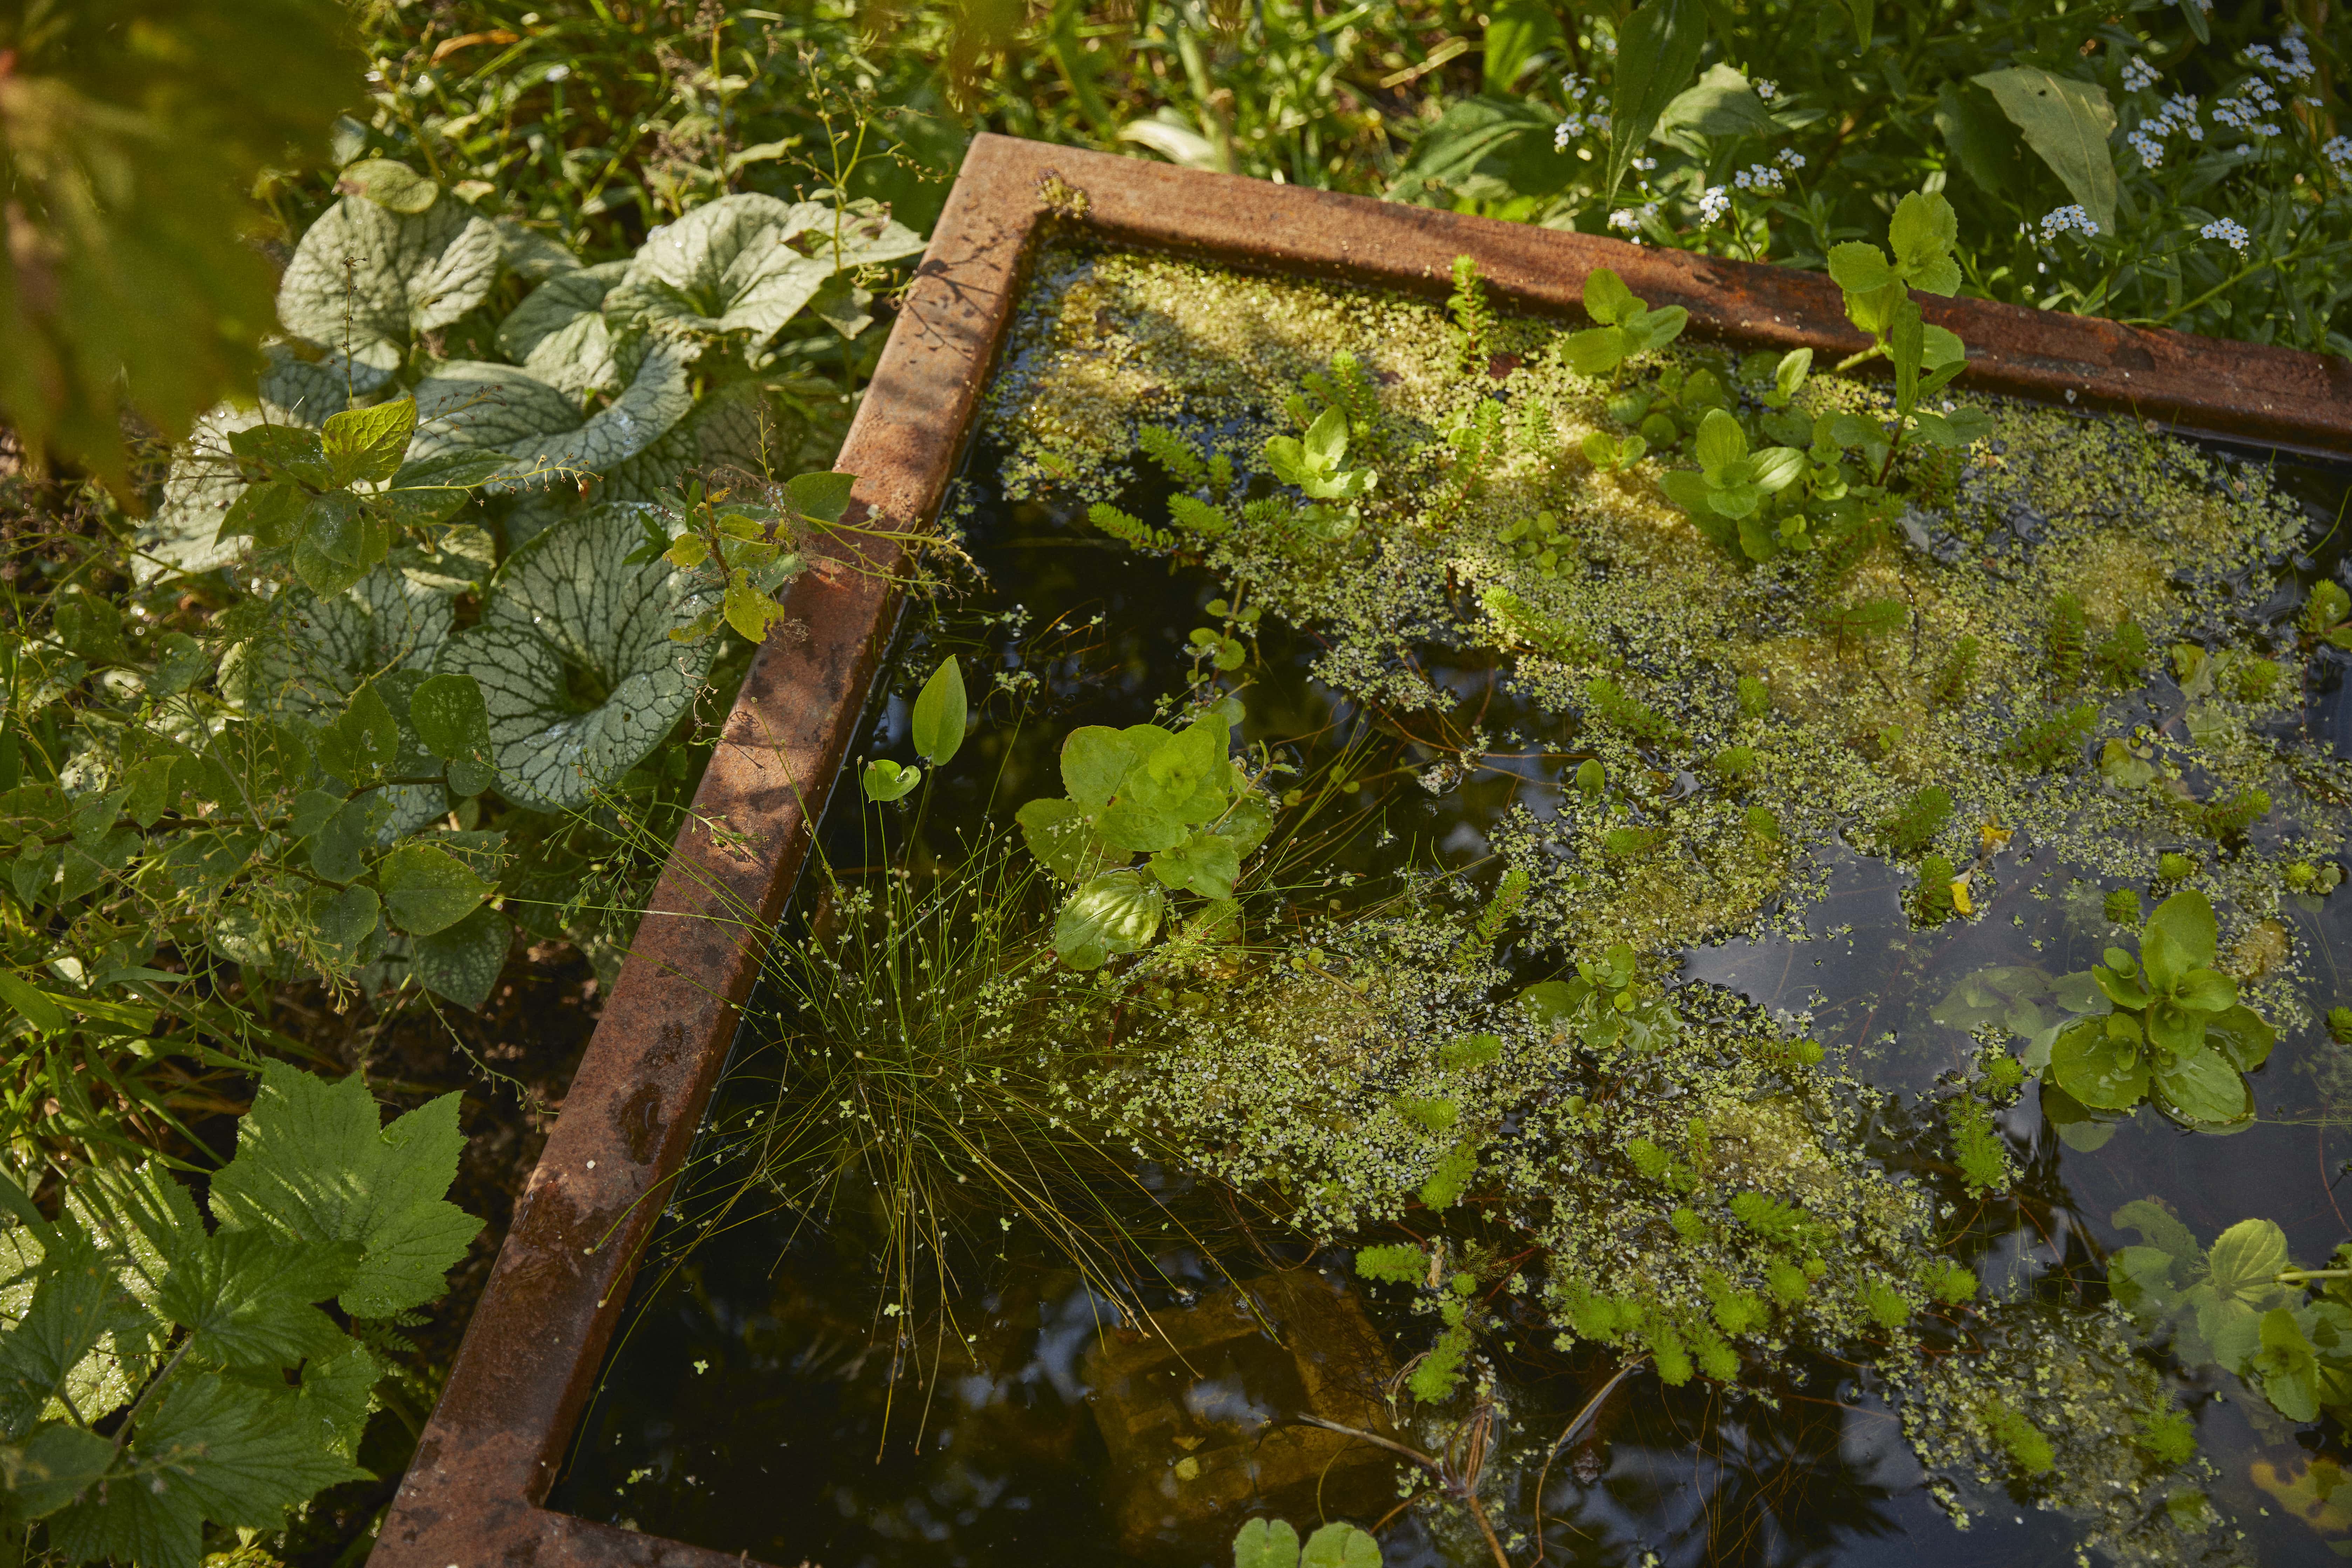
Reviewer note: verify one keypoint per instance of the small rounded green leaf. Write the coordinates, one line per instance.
(1606, 298)
(369, 443)
(824, 497)
(462, 962)
(940, 713)
(1340, 1545)
(886, 780)
(449, 716)
(426, 890)
(1266, 1543)
(2103, 1073)
(2204, 1091)
(2244, 1257)
(1118, 911)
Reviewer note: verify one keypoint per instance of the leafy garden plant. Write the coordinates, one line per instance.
(1177, 796)
(163, 1383)
(2172, 1027)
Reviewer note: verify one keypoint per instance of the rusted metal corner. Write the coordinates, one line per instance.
(532, 1353)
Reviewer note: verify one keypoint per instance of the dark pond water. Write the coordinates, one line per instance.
(746, 1406)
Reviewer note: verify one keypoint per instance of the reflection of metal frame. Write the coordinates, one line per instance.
(532, 1355)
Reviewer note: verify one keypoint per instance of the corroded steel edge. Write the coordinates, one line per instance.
(531, 1353)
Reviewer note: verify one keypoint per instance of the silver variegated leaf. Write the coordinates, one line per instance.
(409, 274)
(530, 254)
(567, 613)
(475, 405)
(317, 651)
(204, 483)
(747, 264)
(558, 332)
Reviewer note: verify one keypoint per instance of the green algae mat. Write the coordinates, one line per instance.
(1564, 944)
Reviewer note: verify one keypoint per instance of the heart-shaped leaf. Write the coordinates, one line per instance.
(427, 889)
(567, 613)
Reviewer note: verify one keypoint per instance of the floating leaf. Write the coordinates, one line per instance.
(573, 656)
(1116, 913)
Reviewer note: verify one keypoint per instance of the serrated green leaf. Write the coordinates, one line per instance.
(246, 1297)
(80, 1303)
(940, 714)
(427, 889)
(50, 1469)
(209, 1449)
(462, 963)
(314, 1164)
(568, 598)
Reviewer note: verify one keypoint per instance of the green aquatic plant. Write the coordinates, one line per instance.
(1272, 1543)
(1606, 1005)
(1915, 826)
(1725, 494)
(2240, 1304)
(1176, 796)
(2173, 1028)
(1627, 329)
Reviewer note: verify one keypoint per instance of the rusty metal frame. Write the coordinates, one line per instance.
(532, 1355)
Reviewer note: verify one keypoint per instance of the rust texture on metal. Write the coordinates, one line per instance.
(532, 1353)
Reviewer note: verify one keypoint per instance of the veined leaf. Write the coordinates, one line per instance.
(246, 1297)
(567, 599)
(314, 1164)
(414, 272)
(1116, 913)
(558, 332)
(471, 404)
(210, 1449)
(733, 267)
(427, 889)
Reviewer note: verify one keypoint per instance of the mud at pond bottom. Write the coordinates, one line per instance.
(1046, 1426)
(1190, 1417)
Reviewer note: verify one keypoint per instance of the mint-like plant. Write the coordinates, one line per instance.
(228, 1389)
(2242, 1305)
(1175, 796)
(2173, 1029)
(1731, 484)
(1628, 328)
(1606, 1005)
